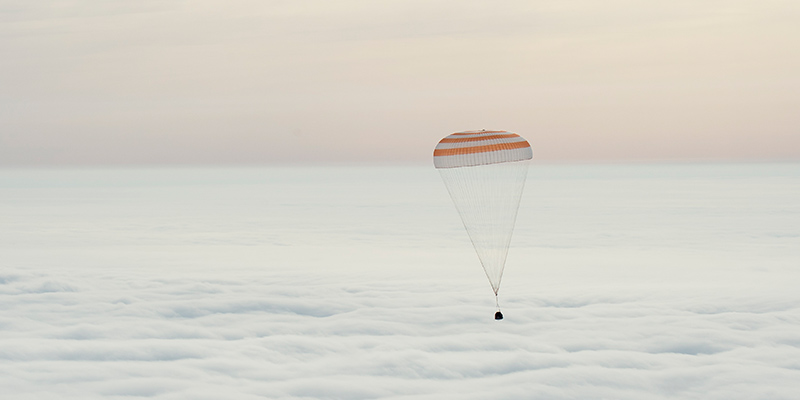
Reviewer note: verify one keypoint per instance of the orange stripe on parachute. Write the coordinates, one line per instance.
(480, 149)
(478, 139)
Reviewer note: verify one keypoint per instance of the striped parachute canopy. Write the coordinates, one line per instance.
(485, 172)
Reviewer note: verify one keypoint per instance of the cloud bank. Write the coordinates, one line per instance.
(360, 284)
(269, 337)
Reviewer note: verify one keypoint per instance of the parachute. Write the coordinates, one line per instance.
(484, 172)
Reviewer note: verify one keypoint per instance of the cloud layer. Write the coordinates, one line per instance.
(276, 337)
(360, 284)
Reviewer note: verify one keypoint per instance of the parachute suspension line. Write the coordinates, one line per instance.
(497, 301)
(487, 199)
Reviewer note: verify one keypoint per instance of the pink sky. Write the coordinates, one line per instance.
(253, 82)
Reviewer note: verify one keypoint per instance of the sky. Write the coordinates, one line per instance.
(318, 82)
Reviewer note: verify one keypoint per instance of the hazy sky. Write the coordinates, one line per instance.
(164, 82)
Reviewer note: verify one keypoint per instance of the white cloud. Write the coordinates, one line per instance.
(108, 290)
(387, 340)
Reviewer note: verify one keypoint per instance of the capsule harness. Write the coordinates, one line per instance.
(498, 315)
